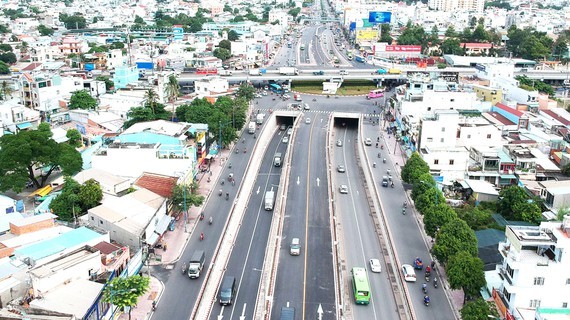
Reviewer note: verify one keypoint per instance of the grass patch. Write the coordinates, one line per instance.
(348, 88)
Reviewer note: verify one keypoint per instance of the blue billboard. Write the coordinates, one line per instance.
(379, 17)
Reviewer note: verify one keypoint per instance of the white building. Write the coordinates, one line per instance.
(454, 5)
(211, 86)
(15, 117)
(121, 102)
(43, 92)
(448, 162)
(535, 271)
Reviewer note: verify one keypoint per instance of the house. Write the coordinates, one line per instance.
(211, 86)
(556, 194)
(157, 183)
(15, 117)
(132, 220)
(10, 210)
(476, 49)
(109, 183)
(482, 191)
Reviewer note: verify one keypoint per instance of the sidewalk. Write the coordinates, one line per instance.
(176, 242)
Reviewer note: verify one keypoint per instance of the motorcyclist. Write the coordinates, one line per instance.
(392, 184)
(374, 164)
(428, 269)
(426, 299)
(424, 287)
(237, 150)
(220, 193)
(201, 236)
(230, 165)
(384, 160)
(227, 195)
(376, 144)
(405, 204)
(435, 282)
(201, 215)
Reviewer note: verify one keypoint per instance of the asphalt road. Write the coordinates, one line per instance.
(246, 261)
(181, 292)
(306, 282)
(405, 232)
(359, 237)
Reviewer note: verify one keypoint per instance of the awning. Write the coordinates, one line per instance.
(152, 239)
(24, 125)
(41, 192)
(463, 183)
(162, 225)
(508, 176)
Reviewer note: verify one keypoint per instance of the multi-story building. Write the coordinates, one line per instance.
(211, 86)
(535, 272)
(452, 5)
(492, 95)
(71, 45)
(43, 92)
(15, 117)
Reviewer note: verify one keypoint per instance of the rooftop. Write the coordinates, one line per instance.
(157, 183)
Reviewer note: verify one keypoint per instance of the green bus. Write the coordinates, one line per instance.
(360, 286)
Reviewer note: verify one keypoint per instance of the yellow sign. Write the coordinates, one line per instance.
(366, 34)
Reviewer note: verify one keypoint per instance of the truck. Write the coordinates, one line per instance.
(257, 72)
(259, 118)
(277, 159)
(318, 73)
(269, 200)
(196, 264)
(394, 71)
(288, 71)
(380, 71)
(223, 72)
(359, 59)
(251, 128)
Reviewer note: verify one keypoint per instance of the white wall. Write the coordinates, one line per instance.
(439, 132)
(440, 159)
(477, 136)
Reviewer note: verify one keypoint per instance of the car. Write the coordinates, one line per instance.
(409, 273)
(343, 72)
(308, 120)
(286, 96)
(340, 168)
(285, 139)
(290, 131)
(306, 106)
(375, 265)
(283, 127)
(257, 95)
(339, 143)
(343, 188)
(264, 93)
(368, 141)
(266, 88)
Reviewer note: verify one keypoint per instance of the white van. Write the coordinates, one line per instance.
(295, 247)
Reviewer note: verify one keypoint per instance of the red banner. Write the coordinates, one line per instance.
(402, 48)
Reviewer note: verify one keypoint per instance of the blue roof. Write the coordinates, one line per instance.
(65, 241)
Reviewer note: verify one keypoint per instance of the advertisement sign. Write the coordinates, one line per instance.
(352, 26)
(379, 17)
(366, 34)
(450, 76)
(402, 48)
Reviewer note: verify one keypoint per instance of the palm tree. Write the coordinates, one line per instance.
(172, 91)
(151, 99)
(6, 90)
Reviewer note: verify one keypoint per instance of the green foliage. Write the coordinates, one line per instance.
(226, 44)
(450, 32)
(419, 188)
(222, 54)
(172, 88)
(246, 91)
(139, 21)
(451, 46)
(529, 212)
(294, 12)
(528, 43)
(414, 167)
(45, 31)
(109, 84)
(146, 113)
(233, 35)
(8, 57)
(476, 310)
(502, 4)
(509, 198)
(4, 29)
(125, 292)
(6, 90)
(75, 21)
(81, 99)
(74, 138)
(76, 199)
(4, 47)
(536, 85)
(117, 45)
(90, 194)
(24, 151)
(186, 196)
(479, 34)
(14, 14)
(385, 33)
(476, 218)
(413, 35)
(436, 216)
(4, 68)
(453, 237)
(191, 24)
(430, 197)
(94, 48)
(473, 280)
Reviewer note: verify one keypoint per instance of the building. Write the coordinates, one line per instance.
(15, 117)
(109, 183)
(71, 45)
(492, 95)
(535, 271)
(454, 5)
(125, 75)
(476, 49)
(556, 194)
(43, 92)
(211, 86)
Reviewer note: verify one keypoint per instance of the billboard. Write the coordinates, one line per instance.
(366, 34)
(403, 48)
(379, 17)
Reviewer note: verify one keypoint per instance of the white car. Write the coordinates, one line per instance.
(375, 265)
(340, 168)
(343, 189)
(339, 143)
(409, 273)
(308, 120)
(290, 131)
(286, 139)
(368, 141)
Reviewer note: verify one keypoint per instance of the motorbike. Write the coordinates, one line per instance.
(184, 268)
(405, 204)
(237, 150)
(374, 165)
(435, 282)
(220, 193)
(426, 301)
(379, 155)
(424, 288)
(392, 185)
(227, 196)
(314, 99)
(201, 236)
(388, 171)
(245, 150)
(230, 165)
(384, 160)
(153, 305)
(404, 211)
(382, 147)
(210, 220)
(202, 216)
(427, 277)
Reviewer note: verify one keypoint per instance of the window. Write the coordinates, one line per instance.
(451, 162)
(92, 218)
(100, 221)
(510, 271)
(564, 305)
(442, 129)
(436, 161)
(539, 281)
(441, 140)
(535, 303)
(452, 100)
(468, 136)
(429, 139)
(489, 136)
(568, 281)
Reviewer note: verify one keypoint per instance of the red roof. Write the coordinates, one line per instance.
(157, 183)
(473, 45)
(501, 119)
(557, 117)
(510, 110)
(32, 66)
(106, 248)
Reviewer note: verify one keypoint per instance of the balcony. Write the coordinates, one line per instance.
(505, 276)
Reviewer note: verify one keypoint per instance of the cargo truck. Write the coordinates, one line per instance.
(269, 200)
(394, 71)
(288, 71)
(196, 264)
(257, 72)
(318, 73)
(277, 159)
(223, 72)
(259, 118)
(251, 127)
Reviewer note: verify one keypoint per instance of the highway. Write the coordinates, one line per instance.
(359, 237)
(306, 282)
(246, 260)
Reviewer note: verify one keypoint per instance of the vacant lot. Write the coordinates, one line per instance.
(348, 88)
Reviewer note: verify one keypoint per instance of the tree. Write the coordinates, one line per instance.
(66, 206)
(528, 43)
(4, 29)
(430, 197)
(172, 90)
(74, 138)
(25, 151)
(125, 292)
(8, 57)
(453, 237)
(233, 35)
(4, 68)
(475, 217)
(90, 194)
(139, 20)
(472, 22)
(413, 35)
(151, 100)
(294, 12)
(480, 34)
(510, 197)
(75, 21)
(436, 216)
(4, 47)
(476, 310)
(45, 31)
(413, 168)
(528, 212)
(451, 46)
(186, 196)
(385, 33)
(109, 84)
(450, 32)
(222, 54)
(246, 91)
(6, 90)
(226, 44)
(471, 282)
(81, 99)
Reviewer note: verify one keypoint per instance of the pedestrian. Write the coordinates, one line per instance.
(164, 246)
